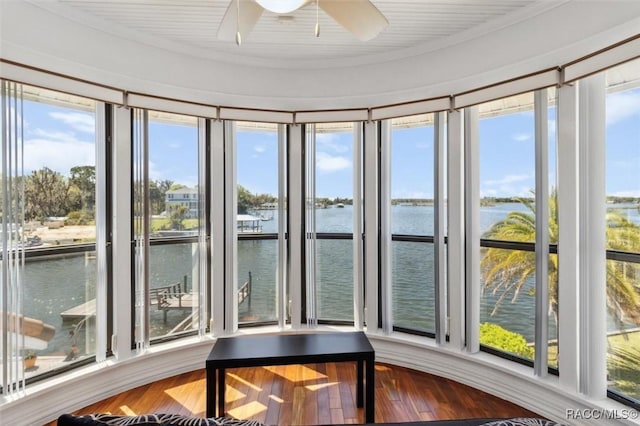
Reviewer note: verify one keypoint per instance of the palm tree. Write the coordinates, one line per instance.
(506, 272)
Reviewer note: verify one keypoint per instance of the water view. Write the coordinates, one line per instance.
(58, 283)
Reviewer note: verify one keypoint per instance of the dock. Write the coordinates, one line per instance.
(84, 310)
(165, 298)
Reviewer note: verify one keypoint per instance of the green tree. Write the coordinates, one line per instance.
(506, 272)
(177, 214)
(83, 180)
(245, 200)
(46, 193)
(497, 337)
(176, 186)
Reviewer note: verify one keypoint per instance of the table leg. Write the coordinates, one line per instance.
(211, 392)
(221, 391)
(370, 407)
(360, 384)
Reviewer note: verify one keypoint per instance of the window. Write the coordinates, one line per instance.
(330, 219)
(58, 234)
(258, 168)
(412, 222)
(623, 228)
(166, 172)
(507, 215)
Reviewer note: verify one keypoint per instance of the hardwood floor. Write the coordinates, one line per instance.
(313, 394)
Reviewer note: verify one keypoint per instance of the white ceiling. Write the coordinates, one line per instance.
(190, 26)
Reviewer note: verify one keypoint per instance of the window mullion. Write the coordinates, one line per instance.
(455, 221)
(216, 159)
(593, 319)
(568, 238)
(281, 308)
(371, 225)
(358, 258)
(230, 229)
(472, 231)
(101, 232)
(386, 291)
(542, 233)
(122, 179)
(439, 234)
(295, 207)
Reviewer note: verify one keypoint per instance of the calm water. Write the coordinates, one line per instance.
(57, 284)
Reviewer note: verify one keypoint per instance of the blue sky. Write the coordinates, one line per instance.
(60, 138)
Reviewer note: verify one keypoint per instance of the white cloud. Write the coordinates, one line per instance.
(77, 120)
(174, 145)
(404, 193)
(424, 145)
(329, 142)
(327, 163)
(57, 155)
(259, 149)
(57, 136)
(622, 105)
(154, 172)
(627, 193)
(521, 137)
(508, 186)
(507, 180)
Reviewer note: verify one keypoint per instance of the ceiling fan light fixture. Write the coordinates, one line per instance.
(281, 6)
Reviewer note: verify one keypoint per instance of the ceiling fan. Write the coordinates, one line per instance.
(361, 17)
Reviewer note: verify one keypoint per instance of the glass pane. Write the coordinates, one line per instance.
(59, 203)
(334, 214)
(552, 348)
(623, 334)
(334, 260)
(507, 302)
(172, 268)
(59, 164)
(174, 206)
(257, 266)
(257, 174)
(507, 169)
(412, 175)
(623, 227)
(173, 175)
(412, 213)
(334, 177)
(413, 292)
(60, 292)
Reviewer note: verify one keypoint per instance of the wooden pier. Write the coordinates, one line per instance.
(165, 298)
(84, 310)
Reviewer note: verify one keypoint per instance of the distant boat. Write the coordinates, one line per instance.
(340, 206)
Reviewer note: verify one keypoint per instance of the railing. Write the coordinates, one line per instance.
(244, 292)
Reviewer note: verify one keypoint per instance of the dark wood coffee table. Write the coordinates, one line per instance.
(287, 349)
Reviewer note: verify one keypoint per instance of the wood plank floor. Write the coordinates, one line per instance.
(313, 394)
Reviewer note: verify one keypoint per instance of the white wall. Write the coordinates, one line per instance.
(31, 33)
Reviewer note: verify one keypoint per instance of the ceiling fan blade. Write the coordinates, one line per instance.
(250, 12)
(361, 17)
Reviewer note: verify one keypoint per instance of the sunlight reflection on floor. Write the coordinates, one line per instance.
(300, 373)
(184, 396)
(320, 386)
(247, 410)
(244, 382)
(127, 411)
